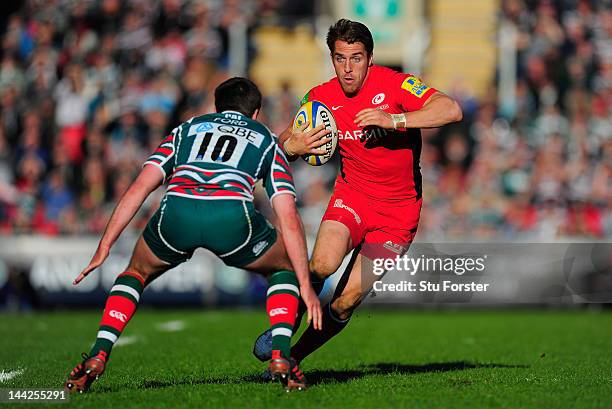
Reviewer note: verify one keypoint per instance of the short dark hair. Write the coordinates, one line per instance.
(350, 32)
(238, 94)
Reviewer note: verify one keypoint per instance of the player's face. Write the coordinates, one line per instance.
(351, 63)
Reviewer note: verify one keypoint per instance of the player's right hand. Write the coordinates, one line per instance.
(313, 306)
(97, 260)
(301, 143)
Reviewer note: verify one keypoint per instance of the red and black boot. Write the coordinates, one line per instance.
(279, 367)
(83, 375)
(297, 380)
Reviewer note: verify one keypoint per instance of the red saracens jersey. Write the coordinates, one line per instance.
(381, 163)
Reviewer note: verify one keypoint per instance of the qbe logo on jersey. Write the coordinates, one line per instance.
(316, 113)
(222, 143)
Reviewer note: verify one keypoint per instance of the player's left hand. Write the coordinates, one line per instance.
(374, 117)
(313, 307)
(97, 260)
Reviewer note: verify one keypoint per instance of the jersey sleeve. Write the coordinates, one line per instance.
(310, 95)
(163, 156)
(277, 178)
(411, 91)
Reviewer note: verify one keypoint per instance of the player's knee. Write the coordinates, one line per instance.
(138, 270)
(322, 266)
(284, 263)
(145, 276)
(344, 305)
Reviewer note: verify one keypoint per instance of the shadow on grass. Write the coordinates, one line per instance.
(387, 368)
(318, 376)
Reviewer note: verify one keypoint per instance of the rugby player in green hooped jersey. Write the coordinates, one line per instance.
(211, 164)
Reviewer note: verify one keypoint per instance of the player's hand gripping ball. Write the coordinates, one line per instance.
(316, 113)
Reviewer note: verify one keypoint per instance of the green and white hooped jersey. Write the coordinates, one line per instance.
(221, 156)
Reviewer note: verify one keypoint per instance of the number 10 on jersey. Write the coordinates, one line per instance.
(212, 146)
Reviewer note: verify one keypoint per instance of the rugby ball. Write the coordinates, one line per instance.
(316, 113)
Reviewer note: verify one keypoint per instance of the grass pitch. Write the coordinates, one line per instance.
(405, 359)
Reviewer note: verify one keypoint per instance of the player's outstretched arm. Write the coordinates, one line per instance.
(147, 181)
(292, 233)
(438, 110)
(298, 143)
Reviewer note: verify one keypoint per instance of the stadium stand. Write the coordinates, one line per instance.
(87, 90)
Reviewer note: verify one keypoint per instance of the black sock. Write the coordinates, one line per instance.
(312, 339)
(317, 285)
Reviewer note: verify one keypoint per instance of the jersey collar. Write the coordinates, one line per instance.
(229, 111)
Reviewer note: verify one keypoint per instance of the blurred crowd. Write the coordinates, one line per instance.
(87, 91)
(539, 168)
(89, 88)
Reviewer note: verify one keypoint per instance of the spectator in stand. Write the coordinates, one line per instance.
(87, 89)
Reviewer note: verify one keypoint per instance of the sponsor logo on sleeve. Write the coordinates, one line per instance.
(415, 86)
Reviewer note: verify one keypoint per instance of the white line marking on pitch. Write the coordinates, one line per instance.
(7, 376)
(171, 326)
(123, 341)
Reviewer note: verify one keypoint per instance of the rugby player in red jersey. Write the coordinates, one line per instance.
(377, 196)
